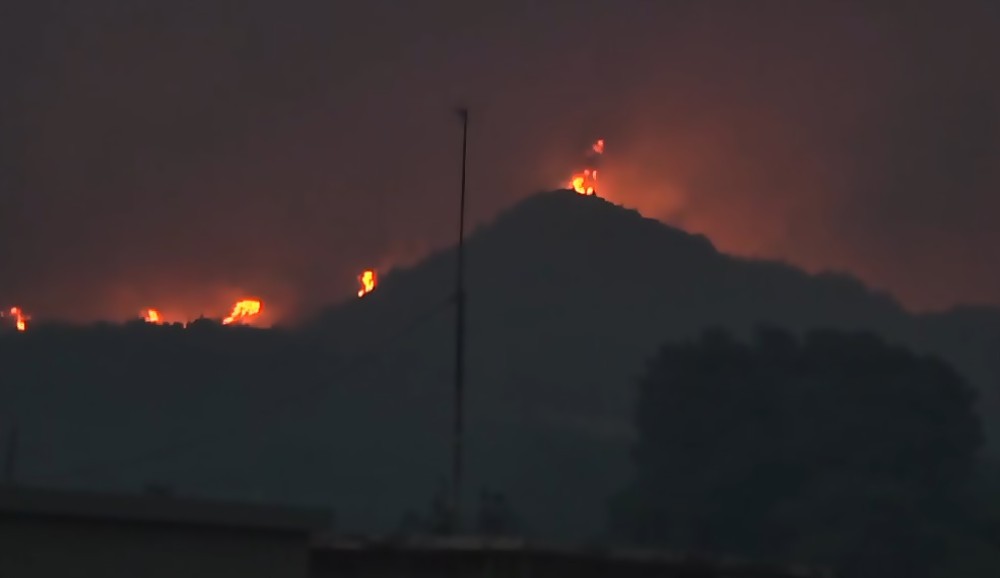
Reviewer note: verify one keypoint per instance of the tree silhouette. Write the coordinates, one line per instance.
(836, 449)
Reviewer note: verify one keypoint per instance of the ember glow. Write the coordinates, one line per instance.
(368, 280)
(20, 318)
(152, 316)
(243, 311)
(585, 182)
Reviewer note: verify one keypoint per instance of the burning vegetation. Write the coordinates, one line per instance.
(246, 311)
(19, 317)
(243, 312)
(367, 280)
(585, 182)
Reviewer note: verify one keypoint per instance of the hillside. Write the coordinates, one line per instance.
(567, 295)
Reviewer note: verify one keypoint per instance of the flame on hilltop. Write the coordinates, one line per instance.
(243, 311)
(20, 319)
(585, 182)
(368, 280)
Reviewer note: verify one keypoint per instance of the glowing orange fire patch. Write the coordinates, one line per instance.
(152, 316)
(585, 182)
(243, 311)
(368, 280)
(20, 319)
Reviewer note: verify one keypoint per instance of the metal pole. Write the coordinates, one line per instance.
(459, 339)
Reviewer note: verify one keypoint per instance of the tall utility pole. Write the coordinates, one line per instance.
(456, 465)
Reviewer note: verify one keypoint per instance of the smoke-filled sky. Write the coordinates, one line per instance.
(180, 153)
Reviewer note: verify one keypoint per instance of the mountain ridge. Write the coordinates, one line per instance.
(561, 281)
(568, 297)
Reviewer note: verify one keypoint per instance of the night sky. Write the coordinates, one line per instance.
(181, 154)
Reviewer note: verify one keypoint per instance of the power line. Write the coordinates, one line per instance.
(270, 411)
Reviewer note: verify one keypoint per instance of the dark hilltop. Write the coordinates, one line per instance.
(568, 297)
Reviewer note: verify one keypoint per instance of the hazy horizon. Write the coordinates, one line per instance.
(181, 155)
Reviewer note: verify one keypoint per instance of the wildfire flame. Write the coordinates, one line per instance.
(585, 182)
(368, 280)
(243, 311)
(20, 319)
